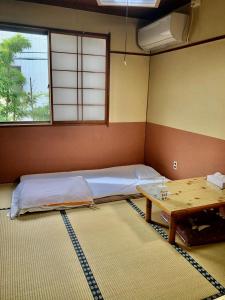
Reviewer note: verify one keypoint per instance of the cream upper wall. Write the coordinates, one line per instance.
(187, 87)
(129, 88)
(65, 18)
(209, 20)
(128, 85)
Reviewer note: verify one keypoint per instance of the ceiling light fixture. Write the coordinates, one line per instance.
(140, 3)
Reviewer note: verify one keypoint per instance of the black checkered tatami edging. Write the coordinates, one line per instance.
(213, 297)
(187, 256)
(82, 259)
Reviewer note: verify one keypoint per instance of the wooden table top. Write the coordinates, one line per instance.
(187, 194)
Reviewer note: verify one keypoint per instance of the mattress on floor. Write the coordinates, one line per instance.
(109, 181)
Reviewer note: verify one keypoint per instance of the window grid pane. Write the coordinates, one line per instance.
(65, 112)
(82, 108)
(79, 79)
(78, 68)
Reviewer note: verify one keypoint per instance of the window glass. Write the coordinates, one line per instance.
(24, 77)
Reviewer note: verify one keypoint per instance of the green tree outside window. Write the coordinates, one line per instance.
(15, 103)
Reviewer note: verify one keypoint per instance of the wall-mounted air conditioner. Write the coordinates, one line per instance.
(164, 32)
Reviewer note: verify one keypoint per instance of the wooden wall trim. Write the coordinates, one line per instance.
(42, 29)
(206, 41)
(129, 53)
(197, 43)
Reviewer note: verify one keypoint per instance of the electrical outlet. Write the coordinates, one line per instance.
(175, 165)
(195, 3)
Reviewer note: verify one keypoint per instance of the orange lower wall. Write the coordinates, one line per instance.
(26, 150)
(196, 154)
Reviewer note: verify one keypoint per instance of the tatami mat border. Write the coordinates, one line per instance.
(213, 297)
(97, 295)
(5, 208)
(187, 256)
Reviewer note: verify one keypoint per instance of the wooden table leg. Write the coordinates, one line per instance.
(222, 211)
(148, 214)
(172, 230)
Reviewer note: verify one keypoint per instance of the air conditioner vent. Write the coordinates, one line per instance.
(163, 32)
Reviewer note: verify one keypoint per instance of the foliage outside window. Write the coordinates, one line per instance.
(24, 95)
(77, 74)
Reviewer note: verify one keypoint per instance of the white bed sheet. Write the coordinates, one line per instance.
(110, 181)
(49, 194)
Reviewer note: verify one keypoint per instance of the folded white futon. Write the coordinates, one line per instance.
(110, 181)
(64, 190)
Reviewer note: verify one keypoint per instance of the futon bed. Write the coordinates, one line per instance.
(64, 190)
(109, 181)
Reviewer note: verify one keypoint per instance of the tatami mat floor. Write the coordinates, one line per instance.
(37, 260)
(211, 256)
(130, 260)
(55, 256)
(6, 195)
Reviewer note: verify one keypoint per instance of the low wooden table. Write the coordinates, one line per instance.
(185, 197)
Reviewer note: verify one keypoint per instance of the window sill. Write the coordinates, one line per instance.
(62, 123)
(54, 124)
(22, 124)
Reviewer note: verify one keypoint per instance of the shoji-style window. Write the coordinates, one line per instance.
(24, 76)
(79, 71)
